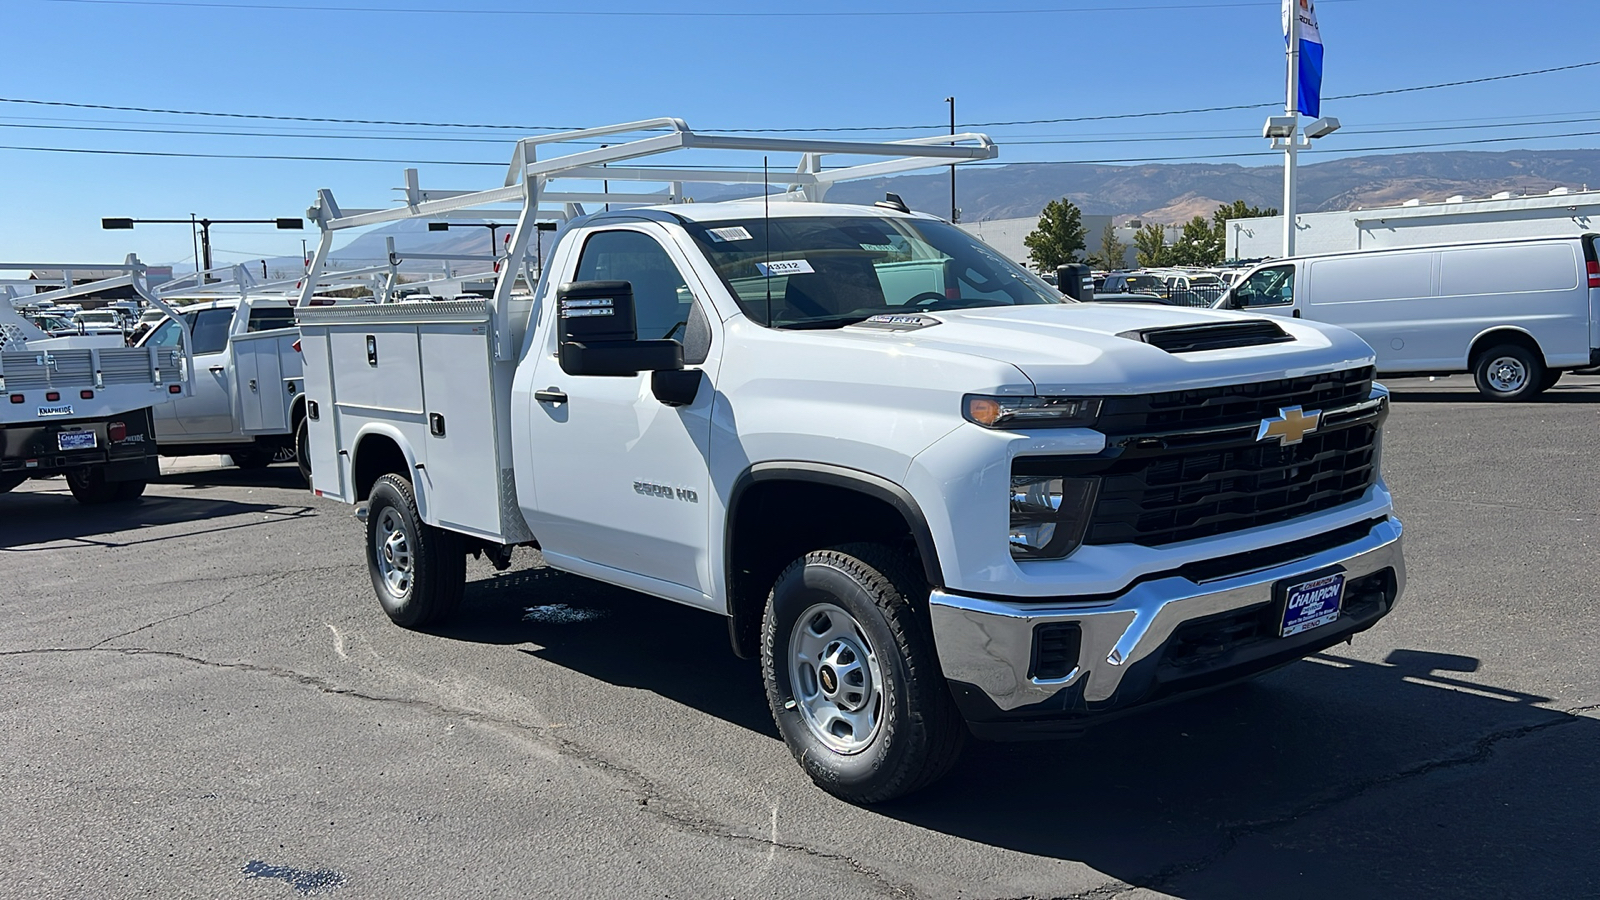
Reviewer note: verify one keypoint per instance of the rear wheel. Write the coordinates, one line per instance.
(1509, 372)
(852, 678)
(1551, 378)
(418, 571)
(252, 457)
(302, 449)
(90, 487)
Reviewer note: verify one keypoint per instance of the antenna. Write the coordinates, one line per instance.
(766, 228)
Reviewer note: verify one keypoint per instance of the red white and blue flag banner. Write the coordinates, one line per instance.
(1310, 99)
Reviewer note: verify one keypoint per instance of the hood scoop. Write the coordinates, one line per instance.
(1211, 336)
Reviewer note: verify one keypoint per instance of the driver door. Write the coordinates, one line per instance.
(621, 479)
(1269, 290)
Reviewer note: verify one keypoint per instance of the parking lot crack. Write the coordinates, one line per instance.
(647, 794)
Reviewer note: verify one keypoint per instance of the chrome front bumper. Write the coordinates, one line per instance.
(986, 646)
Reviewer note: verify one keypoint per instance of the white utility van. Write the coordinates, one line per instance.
(1515, 314)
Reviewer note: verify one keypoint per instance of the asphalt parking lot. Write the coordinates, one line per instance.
(199, 697)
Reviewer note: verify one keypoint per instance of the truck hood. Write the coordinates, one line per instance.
(1080, 348)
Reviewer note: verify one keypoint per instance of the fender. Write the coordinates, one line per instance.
(418, 486)
(874, 486)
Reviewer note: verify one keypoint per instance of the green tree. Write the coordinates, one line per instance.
(1112, 253)
(1197, 246)
(1059, 238)
(1151, 243)
(1238, 209)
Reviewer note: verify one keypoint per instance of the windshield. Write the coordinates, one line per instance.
(828, 272)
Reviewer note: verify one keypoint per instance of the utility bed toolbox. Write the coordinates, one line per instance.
(422, 372)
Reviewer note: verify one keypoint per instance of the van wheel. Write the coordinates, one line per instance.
(302, 449)
(852, 678)
(1509, 372)
(417, 570)
(1551, 379)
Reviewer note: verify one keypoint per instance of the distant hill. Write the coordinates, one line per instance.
(1166, 193)
(1175, 193)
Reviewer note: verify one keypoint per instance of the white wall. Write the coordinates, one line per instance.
(1417, 226)
(1007, 235)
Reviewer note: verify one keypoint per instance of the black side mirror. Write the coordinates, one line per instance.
(598, 334)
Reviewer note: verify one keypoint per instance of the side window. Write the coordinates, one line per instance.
(168, 334)
(663, 304)
(211, 330)
(1265, 287)
(269, 319)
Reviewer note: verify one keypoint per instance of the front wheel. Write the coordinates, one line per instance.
(852, 677)
(417, 570)
(1509, 372)
(251, 458)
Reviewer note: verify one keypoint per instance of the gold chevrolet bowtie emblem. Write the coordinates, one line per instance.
(1291, 426)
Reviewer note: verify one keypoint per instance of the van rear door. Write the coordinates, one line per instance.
(1592, 254)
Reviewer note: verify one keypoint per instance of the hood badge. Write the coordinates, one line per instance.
(900, 322)
(1291, 426)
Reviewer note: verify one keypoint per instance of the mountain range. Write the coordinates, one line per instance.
(1166, 193)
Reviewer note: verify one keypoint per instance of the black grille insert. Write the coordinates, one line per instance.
(1234, 404)
(1055, 650)
(1211, 336)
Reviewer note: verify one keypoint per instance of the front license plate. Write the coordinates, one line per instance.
(76, 440)
(1311, 604)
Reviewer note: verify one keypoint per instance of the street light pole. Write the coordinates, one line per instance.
(204, 263)
(955, 214)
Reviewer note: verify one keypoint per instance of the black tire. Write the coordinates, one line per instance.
(302, 449)
(90, 487)
(251, 459)
(918, 732)
(9, 483)
(128, 491)
(1551, 379)
(1509, 372)
(431, 562)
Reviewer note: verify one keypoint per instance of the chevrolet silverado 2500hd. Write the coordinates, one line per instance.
(931, 495)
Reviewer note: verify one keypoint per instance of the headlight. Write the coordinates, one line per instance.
(1030, 412)
(1049, 514)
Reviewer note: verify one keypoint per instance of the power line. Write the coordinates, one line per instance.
(856, 128)
(684, 14)
(1050, 162)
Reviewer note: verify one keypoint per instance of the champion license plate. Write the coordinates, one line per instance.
(76, 440)
(1312, 604)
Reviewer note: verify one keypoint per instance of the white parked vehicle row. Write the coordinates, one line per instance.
(1516, 314)
(928, 493)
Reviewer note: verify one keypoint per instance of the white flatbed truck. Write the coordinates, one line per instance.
(80, 405)
(931, 495)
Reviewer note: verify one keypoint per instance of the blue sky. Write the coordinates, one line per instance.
(769, 65)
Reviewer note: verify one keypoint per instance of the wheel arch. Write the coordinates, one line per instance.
(1502, 334)
(761, 533)
(381, 450)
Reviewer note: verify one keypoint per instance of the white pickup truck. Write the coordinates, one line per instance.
(247, 402)
(80, 405)
(929, 493)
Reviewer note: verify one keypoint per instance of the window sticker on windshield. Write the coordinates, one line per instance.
(736, 233)
(878, 248)
(786, 267)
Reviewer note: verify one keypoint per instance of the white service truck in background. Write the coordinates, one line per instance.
(80, 405)
(932, 496)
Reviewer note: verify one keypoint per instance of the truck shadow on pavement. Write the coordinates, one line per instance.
(1332, 777)
(617, 636)
(48, 518)
(278, 476)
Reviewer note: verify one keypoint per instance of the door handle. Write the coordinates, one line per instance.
(216, 370)
(252, 385)
(1297, 314)
(550, 395)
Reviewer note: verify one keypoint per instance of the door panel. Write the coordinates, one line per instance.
(621, 479)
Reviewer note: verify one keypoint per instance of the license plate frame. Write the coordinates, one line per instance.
(1311, 601)
(77, 440)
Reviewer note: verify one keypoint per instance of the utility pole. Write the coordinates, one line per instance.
(955, 214)
(203, 263)
(1291, 148)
